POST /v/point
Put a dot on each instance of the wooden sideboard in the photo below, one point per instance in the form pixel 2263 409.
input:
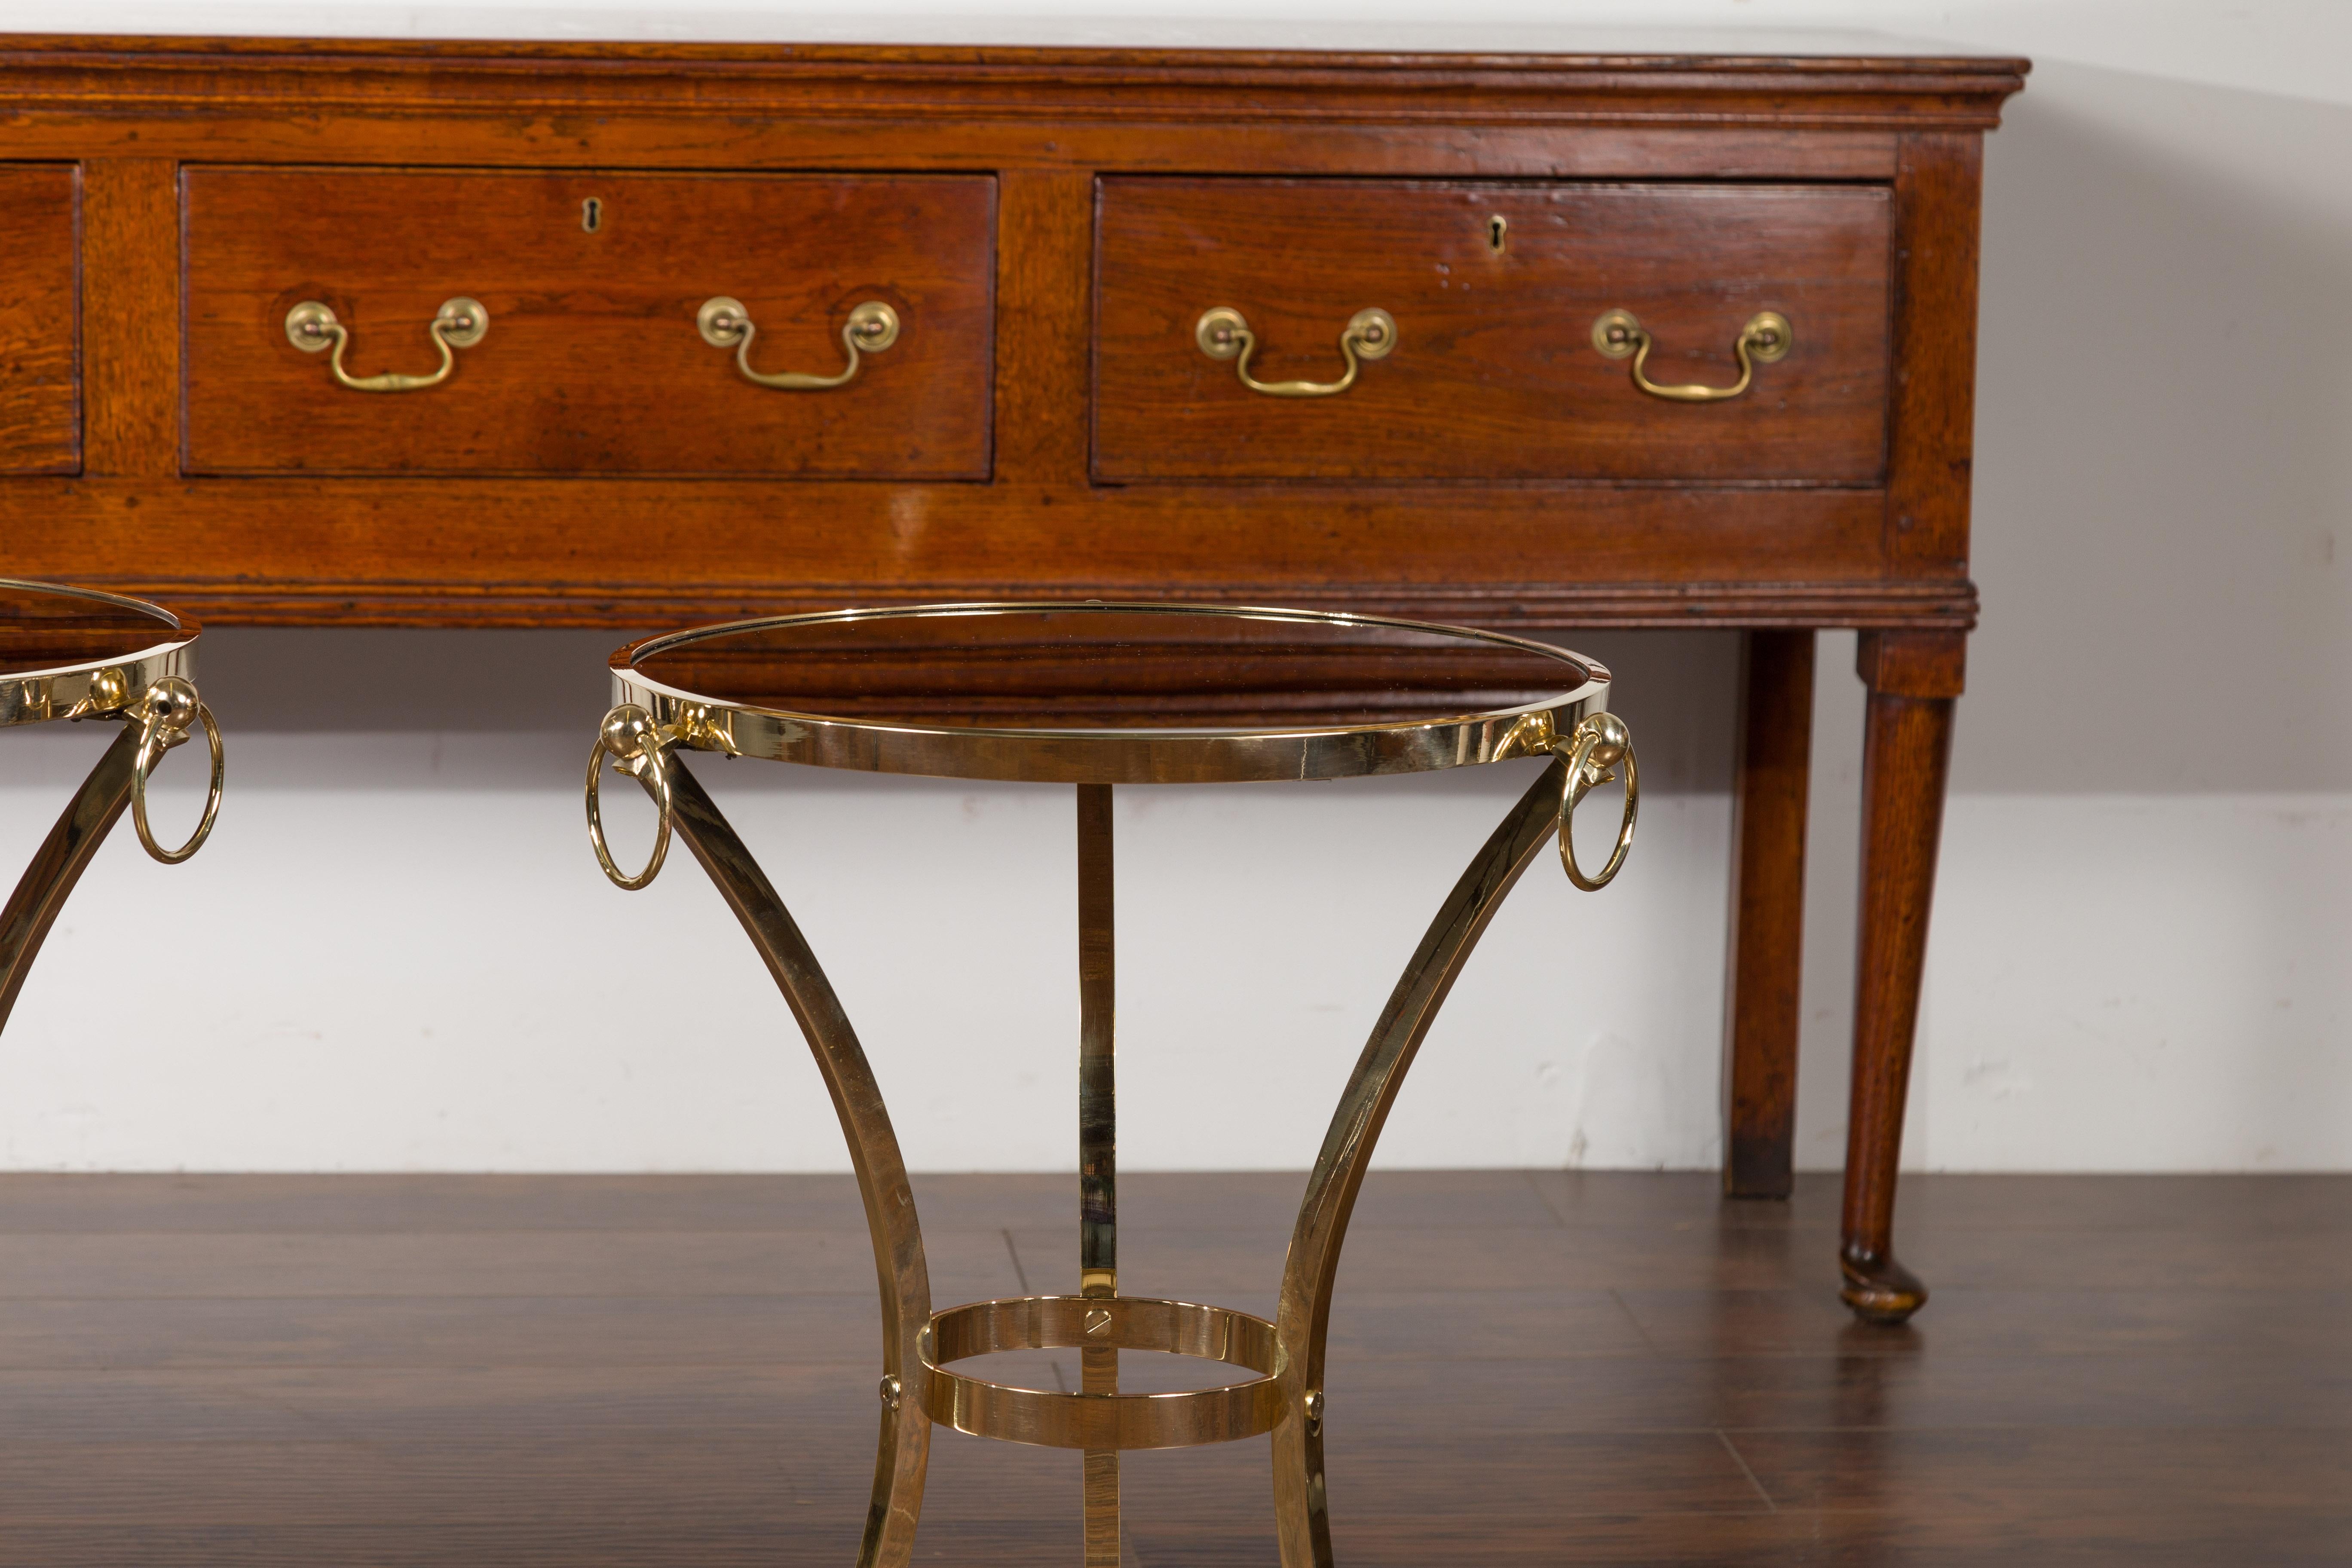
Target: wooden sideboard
pixel 1018 253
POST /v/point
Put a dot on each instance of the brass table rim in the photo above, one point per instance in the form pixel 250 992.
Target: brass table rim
pixel 1139 754
pixel 100 686
pixel 1103 1422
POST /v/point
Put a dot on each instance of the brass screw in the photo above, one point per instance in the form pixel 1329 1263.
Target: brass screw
pixel 891 1389
pixel 1315 1414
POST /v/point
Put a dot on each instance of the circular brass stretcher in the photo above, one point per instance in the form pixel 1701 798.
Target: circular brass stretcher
pixel 77 654
pixel 1098 695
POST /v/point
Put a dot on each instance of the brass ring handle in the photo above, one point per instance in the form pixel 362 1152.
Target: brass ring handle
pixel 163 715
pixel 1224 333
pixel 629 738
pixel 1598 745
pixel 725 323
pixel 460 324
pixel 1765 339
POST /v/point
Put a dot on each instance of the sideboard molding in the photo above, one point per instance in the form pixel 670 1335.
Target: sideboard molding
pixel 225 75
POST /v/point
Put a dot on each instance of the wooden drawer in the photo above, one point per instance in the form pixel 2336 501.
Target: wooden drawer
pixel 592 360
pixel 40 319
pixel 1492 373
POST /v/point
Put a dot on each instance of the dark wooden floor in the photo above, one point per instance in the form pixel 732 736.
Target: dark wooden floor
pixel 1528 1369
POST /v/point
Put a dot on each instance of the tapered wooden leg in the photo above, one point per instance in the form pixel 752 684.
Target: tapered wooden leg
pixel 1914 678
pixel 1767 914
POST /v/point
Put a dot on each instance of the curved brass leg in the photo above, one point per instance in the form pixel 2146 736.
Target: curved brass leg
pixel 906 1285
pixel 1098 1145
pixel 1304 1317
pixel 58 864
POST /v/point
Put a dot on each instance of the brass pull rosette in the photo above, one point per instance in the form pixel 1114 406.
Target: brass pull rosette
pixel 725 323
pixel 1597 746
pixel 1765 339
pixel 1224 333
pixel 460 324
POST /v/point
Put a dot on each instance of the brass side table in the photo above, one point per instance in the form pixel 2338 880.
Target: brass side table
pixel 77 654
pixel 1100 695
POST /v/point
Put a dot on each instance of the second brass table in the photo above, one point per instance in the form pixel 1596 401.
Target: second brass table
pixel 1099 695
pixel 77 654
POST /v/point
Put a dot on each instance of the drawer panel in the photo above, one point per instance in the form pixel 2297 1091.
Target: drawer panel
pixel 591 360
pixel 1493 374
pixel 40 319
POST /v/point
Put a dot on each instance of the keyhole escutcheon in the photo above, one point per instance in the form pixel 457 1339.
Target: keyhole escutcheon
pixel 592 214
pixel 1499 228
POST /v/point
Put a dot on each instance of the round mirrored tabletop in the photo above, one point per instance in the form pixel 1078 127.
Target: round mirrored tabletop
pixel 1108 693
pixel 73 652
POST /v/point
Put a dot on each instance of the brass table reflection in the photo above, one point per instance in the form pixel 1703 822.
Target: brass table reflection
pixel 1099 695
pixel 77 654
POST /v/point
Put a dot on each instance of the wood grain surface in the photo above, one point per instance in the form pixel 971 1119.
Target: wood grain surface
pixel 1528 1367
pixel 1938 191
pixel 40 319
pixel 593 363
pixel 1913 680
pixel 1897 90
pixel 613 552
pixel 1762 1001
pixel 1493 375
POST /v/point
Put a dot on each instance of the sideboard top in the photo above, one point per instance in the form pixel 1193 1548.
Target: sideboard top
pixel 1786 79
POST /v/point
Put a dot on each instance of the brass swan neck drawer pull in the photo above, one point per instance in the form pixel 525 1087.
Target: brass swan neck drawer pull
pixel 1223 333
pixel 1765 338
pixel 458 324
pixel 725 323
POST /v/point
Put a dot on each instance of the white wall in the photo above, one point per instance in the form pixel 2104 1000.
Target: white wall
pixel 398 953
